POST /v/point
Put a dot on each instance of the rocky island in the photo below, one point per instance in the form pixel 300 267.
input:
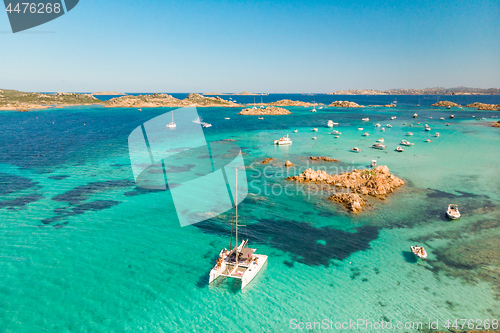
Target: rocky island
pixel 345 104
pixel 269 111
pixel 425 91
pixel 24 101
pixel 377 183
pixel 445 103
pixel 165 100
pixel 109 93
pixel 483 106
pixel 289 102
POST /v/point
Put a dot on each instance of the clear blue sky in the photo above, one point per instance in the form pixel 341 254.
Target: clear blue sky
pixel 260 46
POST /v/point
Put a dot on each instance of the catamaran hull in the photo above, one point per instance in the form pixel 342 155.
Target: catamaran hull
pixel 252 271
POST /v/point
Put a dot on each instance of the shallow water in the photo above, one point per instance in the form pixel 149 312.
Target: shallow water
pixel 84 249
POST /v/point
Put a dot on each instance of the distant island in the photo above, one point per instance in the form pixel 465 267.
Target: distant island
pixel 109 93
pixel 426 91
pixel 244 93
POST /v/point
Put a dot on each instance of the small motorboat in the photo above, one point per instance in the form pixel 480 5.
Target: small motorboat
pixel 411 125
pixel 400 150
pixel 295 131
pixel 314 138
pixel 393 117
pixel 355 150
pixel 437 135
pixel 373 164
pixel 365 119
pixel 283 141
pixel 314 129
pixel 331 123
pixel 428 140
pixel 366 134
pixel 381 140
pixel 453 212
pixel 404 124
pixel 336 132
pixel 383 129
pixel 418 123
pixel 377 125
pixel 261 118
pixel 430 117
pixel 419 251
pixel 442 118
pixel 447 124
pixel 389 126
pixel 415 115
pixel 227 118
pixel 378 146
pixel 140 109
pixel 409 134
pixel 427 128
pixel 448 107
pixel 336 136
pixel 452 116
pixel 406 143
pixel 360 128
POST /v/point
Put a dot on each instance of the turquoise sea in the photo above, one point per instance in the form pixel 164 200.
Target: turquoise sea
pixel 83 249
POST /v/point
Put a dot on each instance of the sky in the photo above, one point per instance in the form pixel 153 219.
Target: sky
pixel 258 46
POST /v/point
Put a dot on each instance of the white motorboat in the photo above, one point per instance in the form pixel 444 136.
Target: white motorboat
pixel 406 143
pixel 241 262
pixel 411 125
pixel 393 117
pixel 283 141
pixel 452 116
pixel 428 140
pixel 373 164
pixel 206 125
pixel 378 146
pixel 377 125
pixel 227 118
pixel 389 126
pixel 366 134
pixel 336 132
pixel 409 134
pixel 140 109
pixel 331 123
pixel 427 128
pixel 442 118
pixel 261 118
pixel 400 150
pixel 381 140
pixel 419 251
pixel 447 124
pixel 360 128
pixel 415 115
pixel 453 212
pixel 314 138
pixel 437 135
pixel 314 129
pixel 383 129
pixel 336 136
pixel 172 124
pixel 295 131
pixel 448 107
pixel 355 150
pixel 365 119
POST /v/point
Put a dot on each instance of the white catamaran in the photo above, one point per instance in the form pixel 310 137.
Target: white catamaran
pixel 241 262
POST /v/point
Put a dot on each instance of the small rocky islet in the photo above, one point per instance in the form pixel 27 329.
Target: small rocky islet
pixel 269 111
pixel 377 182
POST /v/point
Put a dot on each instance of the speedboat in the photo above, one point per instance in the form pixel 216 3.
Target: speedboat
pixel 383 129
pixel 389 126
pixel 419 251
pixel 377 125
pixel 336 136
pixel 452 116
pixel 366 134
pixel 409 134
pixel 356 150
pixel 336 132
pixel 206 125
pixel 406 143
pixel 261 118
pixel 373 164
pixel 448 107
pixel 360 128
pixel 314 138
pixel 453 212
pixel 415 115
pixel 378 145
pixel 428 140
pixel 227 118
pixel 427 128
pixel 283 141
pixel 437 135
pixel 399 149
pixel 393 117
pixel 365 119
pixel 314 129
pixel 295 131
pixel 411 125
pixel 447 124
pixel 442 118
pixel 381 140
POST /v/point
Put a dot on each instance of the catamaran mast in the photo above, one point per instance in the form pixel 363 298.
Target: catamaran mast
pixel 236 219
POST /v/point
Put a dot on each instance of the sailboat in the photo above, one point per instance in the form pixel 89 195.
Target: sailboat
pixel 172 124
pixel 241 262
